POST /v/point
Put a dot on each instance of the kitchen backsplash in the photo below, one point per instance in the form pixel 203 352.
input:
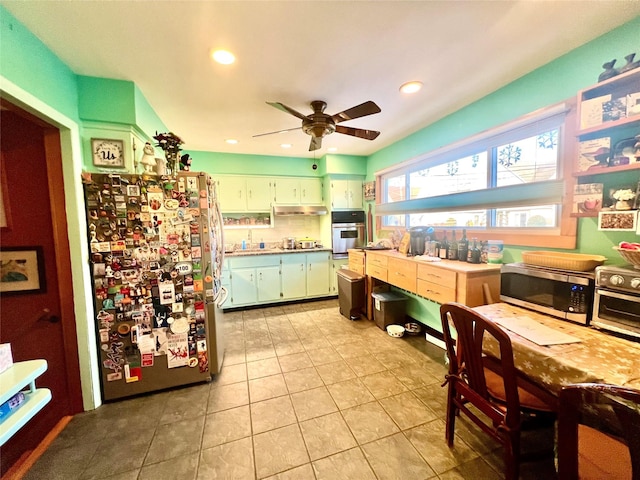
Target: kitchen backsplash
pixel 294 226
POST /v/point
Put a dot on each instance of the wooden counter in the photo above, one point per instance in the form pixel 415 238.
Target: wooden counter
pixel 441 282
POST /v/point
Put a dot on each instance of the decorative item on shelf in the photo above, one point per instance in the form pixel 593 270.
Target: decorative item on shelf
pixel 185 162
pixel 170 143
pixel 609 71
pixel 623 152
pixel 148 160
pixel 630 65
pixel 636 149
pixel 593 153
pixel 107 152
pixel 587 198
pixel 624 199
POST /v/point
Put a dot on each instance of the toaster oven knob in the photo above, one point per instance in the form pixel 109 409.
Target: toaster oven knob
pixel 616 280
pixel 635 283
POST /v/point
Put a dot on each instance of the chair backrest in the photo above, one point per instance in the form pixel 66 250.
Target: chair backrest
pixel 466 358
pixel 609 409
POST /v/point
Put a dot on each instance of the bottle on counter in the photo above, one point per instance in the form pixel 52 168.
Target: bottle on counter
pixel 444 247
pixel 463 246
pixel 452 254
pixel 476 252
pixel 470 250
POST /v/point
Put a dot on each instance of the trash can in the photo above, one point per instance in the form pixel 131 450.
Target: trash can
pixel 389 308
pixel 351 293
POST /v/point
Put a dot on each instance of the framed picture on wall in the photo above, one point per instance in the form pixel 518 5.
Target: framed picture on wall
pixel 21 270
pixel 617 220
pixel 369 190
pixel 107 152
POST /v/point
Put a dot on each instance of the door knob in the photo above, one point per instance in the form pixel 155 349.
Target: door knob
pixel 46 316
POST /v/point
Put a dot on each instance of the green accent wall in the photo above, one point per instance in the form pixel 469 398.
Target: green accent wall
pixel 29 64
pixel 238 164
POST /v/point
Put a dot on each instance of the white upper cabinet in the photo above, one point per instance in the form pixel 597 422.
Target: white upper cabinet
pixel 298 191
pixel 346 194
pixel 244 194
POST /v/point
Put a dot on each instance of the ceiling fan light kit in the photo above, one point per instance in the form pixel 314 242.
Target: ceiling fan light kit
pixel 319 124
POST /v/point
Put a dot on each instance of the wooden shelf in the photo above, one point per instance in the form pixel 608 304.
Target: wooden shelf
pixel 630 121
pixel 606 170
pixel 12 381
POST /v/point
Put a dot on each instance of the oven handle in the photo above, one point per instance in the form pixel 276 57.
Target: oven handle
pixel 621 296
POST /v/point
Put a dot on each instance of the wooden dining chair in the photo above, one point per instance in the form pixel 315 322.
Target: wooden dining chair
pixel 492 385
pixel 599 432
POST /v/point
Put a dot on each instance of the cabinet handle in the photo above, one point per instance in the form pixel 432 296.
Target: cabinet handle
pixel 304 192
pixel 260 276
pixel 239 193
pixel 295 192
pixel 302 267
pixel 252 277
pixel 250 194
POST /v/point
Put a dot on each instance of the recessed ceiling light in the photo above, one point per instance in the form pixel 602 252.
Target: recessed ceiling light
pixel 332 149
pixel 224 57
pixel 286 145
pixel 411 87
pixel 231 141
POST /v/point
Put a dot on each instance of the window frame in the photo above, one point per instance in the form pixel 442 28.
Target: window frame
pixel 564 235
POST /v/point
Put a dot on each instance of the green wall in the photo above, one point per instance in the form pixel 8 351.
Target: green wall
pixel 28 63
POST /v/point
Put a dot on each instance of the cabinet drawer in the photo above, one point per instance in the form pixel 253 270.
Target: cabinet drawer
pixel 356 266
pixel 376 260
pixel 377 272
pixel 402 273
pixel 436 292
pixel 440 276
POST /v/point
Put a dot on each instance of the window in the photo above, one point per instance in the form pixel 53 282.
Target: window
pixel 507 180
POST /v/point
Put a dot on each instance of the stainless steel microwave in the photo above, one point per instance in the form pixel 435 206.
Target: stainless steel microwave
pixel 560 293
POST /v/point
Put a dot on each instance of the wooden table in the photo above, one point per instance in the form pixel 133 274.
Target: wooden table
pixel 598 357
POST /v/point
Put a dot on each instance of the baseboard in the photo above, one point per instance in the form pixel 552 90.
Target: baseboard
pixel 19 469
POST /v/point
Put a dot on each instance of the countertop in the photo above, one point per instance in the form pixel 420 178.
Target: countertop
pixel 273 251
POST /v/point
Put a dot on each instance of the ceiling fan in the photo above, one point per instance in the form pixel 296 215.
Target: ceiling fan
pixel 319 124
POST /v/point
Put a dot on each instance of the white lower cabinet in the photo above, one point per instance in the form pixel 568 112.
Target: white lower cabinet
pixel 254 279
pixel 259 279
pixel 318 274
pixel 294 276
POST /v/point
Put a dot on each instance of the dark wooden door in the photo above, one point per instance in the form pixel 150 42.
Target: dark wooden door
pixel 38 324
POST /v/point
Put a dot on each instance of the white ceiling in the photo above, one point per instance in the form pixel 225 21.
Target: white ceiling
pixel 342 52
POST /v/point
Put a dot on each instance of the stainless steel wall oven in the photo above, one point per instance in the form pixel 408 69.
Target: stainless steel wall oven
pixel 347 231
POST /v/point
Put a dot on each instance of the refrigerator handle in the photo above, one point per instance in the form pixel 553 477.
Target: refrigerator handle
pixel 222 297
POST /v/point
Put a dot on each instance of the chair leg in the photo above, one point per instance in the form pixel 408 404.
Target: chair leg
pixel 452 411
pixel 512 456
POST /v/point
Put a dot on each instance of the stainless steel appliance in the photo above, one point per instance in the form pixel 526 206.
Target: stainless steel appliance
pixel 617 300
pixel 289 243
pixel 417 239
pixel 560 293
pixel 347 231
pixel 156 251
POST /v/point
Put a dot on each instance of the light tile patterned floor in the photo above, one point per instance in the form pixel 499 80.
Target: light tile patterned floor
pixel 305 394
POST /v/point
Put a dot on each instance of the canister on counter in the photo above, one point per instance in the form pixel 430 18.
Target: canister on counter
pixel 495 251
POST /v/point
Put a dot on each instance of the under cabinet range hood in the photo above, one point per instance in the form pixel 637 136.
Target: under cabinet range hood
pixel 282 210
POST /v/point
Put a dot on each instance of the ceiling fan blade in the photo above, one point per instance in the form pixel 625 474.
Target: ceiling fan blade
pixel 284 108
pixel 362 110
pixel 358 132
pixel 278 131
pixel 316 143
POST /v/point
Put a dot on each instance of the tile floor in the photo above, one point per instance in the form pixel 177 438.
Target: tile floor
pixel 304 394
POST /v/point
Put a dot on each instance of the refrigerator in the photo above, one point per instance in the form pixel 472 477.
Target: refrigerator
pixel 156 256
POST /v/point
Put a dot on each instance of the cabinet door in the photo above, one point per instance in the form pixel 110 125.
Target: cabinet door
pixel 340 193
pixel 259 196
pixel 232 193
pixel 287 190
pixel 243 286
pixel 268 284
pixel 310 191
pixel 294 276
pixel 355 194
pixel 335 266
pixel 318 274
